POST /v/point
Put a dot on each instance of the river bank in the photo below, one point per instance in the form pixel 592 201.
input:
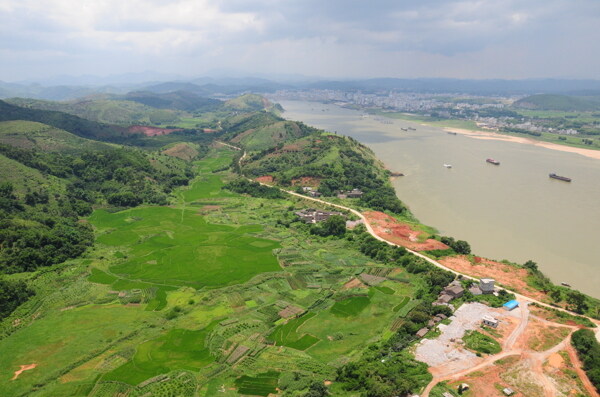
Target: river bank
pixel 512 211
pixel 490 135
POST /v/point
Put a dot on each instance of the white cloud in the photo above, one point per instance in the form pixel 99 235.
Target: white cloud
pixel 452 38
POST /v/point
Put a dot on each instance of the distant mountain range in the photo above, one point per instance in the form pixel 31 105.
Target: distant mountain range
pixel 219 87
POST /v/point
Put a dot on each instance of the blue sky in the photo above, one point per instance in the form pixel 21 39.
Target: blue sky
pixel 327 38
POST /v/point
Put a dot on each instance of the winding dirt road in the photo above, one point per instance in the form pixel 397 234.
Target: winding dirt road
pixel 508 348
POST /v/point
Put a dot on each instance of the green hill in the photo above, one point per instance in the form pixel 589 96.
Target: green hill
pixel 270 136
pixel 179 100
pixel 110 111
pixel 252 103
pixel 73 124
pixel 33 135
pixel 559 103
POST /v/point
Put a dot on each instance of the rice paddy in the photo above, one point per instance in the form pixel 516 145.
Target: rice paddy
pixel 173 247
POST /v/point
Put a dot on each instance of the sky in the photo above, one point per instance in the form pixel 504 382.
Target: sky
pixel 509 39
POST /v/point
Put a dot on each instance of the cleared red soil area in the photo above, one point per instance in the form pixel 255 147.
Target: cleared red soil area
pixel 306 181
pixel 507 275
pixel 400 233
pixel 209 130
pixel 264 179
pixel 151 131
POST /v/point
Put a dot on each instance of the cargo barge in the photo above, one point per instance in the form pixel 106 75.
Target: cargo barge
pixel 560 178
pixel 492 161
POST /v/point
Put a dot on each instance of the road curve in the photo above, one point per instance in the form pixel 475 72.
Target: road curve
pixel 521 297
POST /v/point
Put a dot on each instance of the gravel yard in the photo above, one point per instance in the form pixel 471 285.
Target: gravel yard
pixel 447 348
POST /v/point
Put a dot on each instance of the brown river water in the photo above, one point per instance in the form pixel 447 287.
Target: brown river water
pixel 512 211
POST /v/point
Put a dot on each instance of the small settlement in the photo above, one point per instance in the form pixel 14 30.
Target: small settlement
pixel 314 216
pixel 354 193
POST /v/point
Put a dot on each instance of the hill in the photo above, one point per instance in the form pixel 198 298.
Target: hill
pixel 38 136
pixel 559 103
pixel 73 124
pixel 179 100
pixel 252 103
pixel 103 110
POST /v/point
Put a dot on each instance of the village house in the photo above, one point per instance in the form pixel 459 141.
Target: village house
pixel 489 321
pixel 422 332
pixel 354 193
pixel 314 216
pixel 487 285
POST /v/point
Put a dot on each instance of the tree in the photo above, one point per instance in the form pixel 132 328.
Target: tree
pixel 531 265
pixel 335 225
pixel 462 247
pixel 317 389
pixel 576 301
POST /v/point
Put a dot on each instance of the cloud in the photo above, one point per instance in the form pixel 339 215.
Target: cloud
pixel 509 38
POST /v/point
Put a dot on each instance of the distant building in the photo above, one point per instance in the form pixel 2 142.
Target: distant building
pixel 489 321
pixel 510 305
pixel 446 394
pixel 307 188
pixel 354 193
pixel 314 193
pixel 508 391
pixel 487 285
pixel 314 216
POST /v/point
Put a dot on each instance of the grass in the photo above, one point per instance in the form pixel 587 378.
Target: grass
pixel 404 310
pixel 401 304
pixel 179 248
pixel 56 341
pixel 481 343
pixel 350 307
pixel 259 385
pixel 287 334
pixel 177 349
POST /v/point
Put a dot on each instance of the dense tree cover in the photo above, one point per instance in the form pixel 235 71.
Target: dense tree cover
pixel 333 226
pixel 459 246
pixel 12 294
pixel 42 228
pixel 254 189
pixel 588 349
pixel 113 174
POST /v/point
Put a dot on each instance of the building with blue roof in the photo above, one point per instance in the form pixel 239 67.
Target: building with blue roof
pixel 510 305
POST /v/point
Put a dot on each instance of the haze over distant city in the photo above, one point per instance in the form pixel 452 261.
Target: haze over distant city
pixel 336 38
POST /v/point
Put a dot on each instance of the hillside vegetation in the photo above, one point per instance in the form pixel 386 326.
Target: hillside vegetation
pixel 109 111
pixel 73 124
pixel 559 103
pixel 252 103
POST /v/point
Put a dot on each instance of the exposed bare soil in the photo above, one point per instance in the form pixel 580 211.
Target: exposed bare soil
pixel 265 179
pixel 23 369
pixel 306 181
pixel 504 274
pixel 354 283
pixel 151 131
pixel 400 233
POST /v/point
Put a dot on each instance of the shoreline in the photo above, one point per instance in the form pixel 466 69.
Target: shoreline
pixel 489 135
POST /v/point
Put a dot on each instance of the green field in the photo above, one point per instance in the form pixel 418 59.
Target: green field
pixel 350 307
pixel 177 349
pixel 259 385
pixel 288 335
pixel 61 340
pixel 481 343
pixel 179 248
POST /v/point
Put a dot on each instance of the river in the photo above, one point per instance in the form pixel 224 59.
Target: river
pixel 512 211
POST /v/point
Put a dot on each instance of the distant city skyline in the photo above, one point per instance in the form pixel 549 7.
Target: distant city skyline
pixel 474 39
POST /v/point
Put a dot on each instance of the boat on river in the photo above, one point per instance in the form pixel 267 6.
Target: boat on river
pixel 492 161
pixel 448 165
pixel 560 178
pixel 451 132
